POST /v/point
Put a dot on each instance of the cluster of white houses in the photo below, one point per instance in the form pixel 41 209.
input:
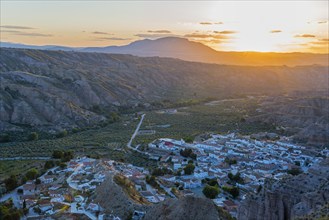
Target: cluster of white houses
pixel 223 154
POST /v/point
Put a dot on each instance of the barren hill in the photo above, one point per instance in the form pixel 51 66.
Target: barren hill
pixel 66 89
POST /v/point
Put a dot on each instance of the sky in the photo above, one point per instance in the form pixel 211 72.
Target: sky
pixel 266 26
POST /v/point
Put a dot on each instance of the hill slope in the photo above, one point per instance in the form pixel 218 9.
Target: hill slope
pixel 57 88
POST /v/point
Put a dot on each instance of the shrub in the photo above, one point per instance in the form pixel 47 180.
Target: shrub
pixel 189 169
pixel 11 183
pixel 295 171
pixel 33 136
pixel 211 192
pixel 32 174
pixel 62 134
pixel 234 191
pixel 4 138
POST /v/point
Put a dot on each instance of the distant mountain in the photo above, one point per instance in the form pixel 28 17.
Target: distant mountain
pixel 184 49
pixel 45 47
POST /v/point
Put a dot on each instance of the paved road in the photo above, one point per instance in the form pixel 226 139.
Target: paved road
pixel 13 194
pixel 68 180
pixel 134 135
pixel 136 132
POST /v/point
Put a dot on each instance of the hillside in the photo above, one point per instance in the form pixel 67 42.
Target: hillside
pixel 67 89
pixel 304 114
pixel 182 48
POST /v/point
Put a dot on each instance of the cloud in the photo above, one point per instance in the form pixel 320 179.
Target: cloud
pixel 155 35
pixel 10 31
pixel 224 32
pixel 22 33
pixel 197 35
pixel 16 27
pixel 322 22
pixel 324 41
pixel 159 31
pixel 101 33
pixel 205 23
pixel 112 38
pixel 305 35
pixel 33 34
pixel 210 23
pixel 275 31
pixel 212 41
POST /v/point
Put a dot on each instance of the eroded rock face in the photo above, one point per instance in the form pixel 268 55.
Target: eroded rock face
pixel 305 115
pixel 291 198
pixel 185 208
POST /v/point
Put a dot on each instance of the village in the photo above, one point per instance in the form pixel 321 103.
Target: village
pixel 235 166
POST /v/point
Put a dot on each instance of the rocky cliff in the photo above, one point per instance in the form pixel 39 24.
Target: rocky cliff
pixel 295 197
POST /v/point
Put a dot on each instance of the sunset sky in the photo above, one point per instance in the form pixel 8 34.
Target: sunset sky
pixel 279 26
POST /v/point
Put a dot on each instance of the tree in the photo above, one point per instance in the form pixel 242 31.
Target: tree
pixel 49 164
pixel 33 136
pixel 32 174
pixel 24 204
pixel 213 182
pixel 57 154
pixel 234 191
pixel 259 188
pixel 11 183
pixel 211 192
pixel 188 139
pixel 295 171
pixel 189 169
pixel 37 181
pixel 4 138
pixel 152 181
pixel 230 161
pixel 62 134
pixel 188 153
pixel 161 171
pixel 67 156
pixel 236 178
pixel 62 165
pixel 114 117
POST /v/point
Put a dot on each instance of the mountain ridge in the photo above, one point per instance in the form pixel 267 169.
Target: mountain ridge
pixel 182 48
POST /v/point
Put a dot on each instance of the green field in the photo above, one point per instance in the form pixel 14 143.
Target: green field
pixel 218 117
pixel 110 141
pixel 17 168
pixel 91 141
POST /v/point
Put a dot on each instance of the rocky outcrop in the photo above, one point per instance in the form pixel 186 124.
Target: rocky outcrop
pixel 186 208
pixel 289 198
